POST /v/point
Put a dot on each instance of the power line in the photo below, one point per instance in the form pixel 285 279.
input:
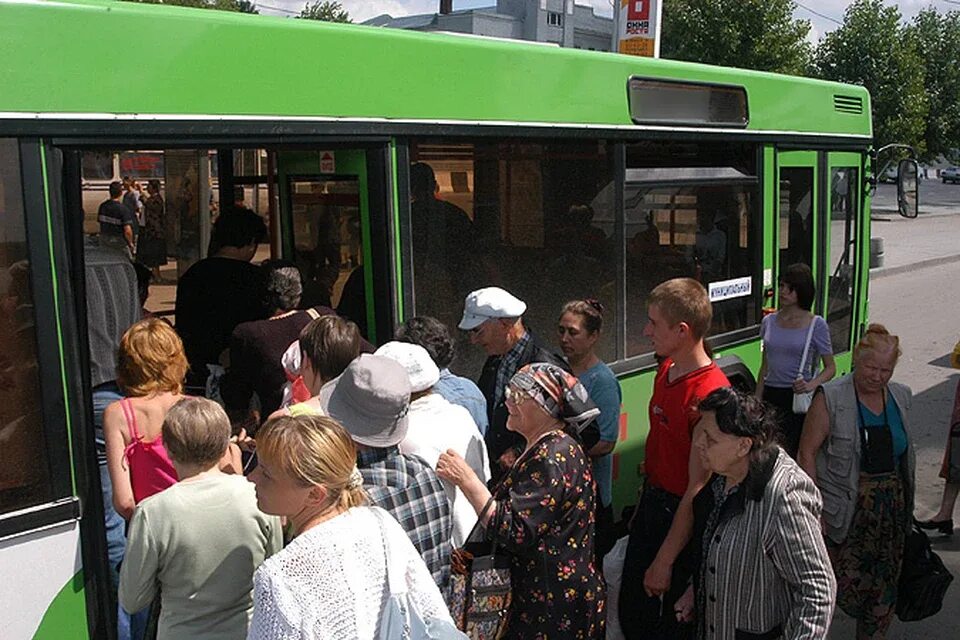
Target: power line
pixel 826 17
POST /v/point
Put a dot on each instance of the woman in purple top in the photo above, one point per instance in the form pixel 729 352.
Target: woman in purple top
pixel 784 336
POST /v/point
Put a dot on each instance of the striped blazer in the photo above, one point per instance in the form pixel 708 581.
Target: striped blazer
pixel 763 570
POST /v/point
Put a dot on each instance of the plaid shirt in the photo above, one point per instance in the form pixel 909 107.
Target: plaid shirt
pixel 509 364
pixel 410 490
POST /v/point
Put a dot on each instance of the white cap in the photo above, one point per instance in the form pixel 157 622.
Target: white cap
pixel 491 302
pixel 416 360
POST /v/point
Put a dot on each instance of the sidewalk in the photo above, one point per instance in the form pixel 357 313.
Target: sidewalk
pixel 931 239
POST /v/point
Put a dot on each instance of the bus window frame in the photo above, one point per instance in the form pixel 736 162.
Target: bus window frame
pixel 61 507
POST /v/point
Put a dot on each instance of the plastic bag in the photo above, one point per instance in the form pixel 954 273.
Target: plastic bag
pixel 613 575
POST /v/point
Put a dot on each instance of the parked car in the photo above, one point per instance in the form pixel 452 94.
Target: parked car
pixel 950 174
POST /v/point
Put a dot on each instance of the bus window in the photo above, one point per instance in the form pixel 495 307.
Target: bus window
pixel 534 218
pixel 25 475
pixel 796 216
pixel 97 165
pixel 142 165
pixel 327 243
pixel 843 233
pixel 692 211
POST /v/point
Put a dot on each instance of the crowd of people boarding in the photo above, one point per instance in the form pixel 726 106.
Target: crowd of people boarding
pixel 314 485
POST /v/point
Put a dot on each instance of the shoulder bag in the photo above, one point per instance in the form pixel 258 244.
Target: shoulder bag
pixel 480 589
pixel 801 401
pixel 923 579
pixel 401 619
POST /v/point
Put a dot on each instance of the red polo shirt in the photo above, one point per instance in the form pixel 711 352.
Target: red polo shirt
pixel 673 414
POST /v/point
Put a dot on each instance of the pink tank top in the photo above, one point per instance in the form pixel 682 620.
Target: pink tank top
pixel 150 468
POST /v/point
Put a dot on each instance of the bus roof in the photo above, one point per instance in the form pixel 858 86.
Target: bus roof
pixel 99 58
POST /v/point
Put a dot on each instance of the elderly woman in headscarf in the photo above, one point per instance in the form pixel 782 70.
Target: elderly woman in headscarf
pixel 542 512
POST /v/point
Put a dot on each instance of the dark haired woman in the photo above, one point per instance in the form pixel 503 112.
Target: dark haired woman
pixel 578 330
pixel 794 341
pixel 763 568
pixel 152 244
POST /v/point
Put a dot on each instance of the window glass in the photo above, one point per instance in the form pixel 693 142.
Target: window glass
pixel 327 243
pixel 692 211
pixel 97 165
pixel 534 218
pixel 796 216
pixel 24 470
pixel 843 232
pixel 142 165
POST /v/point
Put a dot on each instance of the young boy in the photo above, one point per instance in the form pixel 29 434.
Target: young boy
pixel 655 571
pixel 201 539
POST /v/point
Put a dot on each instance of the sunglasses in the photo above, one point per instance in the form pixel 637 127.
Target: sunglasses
pixel 515 396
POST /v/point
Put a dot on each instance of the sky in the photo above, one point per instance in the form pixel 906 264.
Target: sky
pixel 822 14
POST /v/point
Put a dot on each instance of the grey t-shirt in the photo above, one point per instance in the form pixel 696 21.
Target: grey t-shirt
pixel 200 542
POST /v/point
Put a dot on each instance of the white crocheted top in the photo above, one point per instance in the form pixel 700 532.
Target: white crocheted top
pixel 331 581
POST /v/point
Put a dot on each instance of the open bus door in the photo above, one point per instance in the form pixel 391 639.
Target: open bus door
pixel 798 198
pixel 334 209
pixel 839 280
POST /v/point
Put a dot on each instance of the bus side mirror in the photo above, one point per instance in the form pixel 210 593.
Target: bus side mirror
pixel 908 188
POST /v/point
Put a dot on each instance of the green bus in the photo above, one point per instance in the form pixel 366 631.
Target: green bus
pixel 583 174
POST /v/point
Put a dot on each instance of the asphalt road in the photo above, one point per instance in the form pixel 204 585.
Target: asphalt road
pixel 934 197
pixel 923 308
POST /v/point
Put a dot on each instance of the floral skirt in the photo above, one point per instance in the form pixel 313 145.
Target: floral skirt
pixel 867 563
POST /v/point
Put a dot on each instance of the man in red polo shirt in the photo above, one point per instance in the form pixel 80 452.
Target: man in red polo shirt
pixel 655 571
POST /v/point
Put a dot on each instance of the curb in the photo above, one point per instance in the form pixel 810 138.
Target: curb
pixel 893 213
pixel 884 272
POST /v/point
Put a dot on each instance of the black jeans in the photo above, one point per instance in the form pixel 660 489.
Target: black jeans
pixel 790 424
pixel 643 617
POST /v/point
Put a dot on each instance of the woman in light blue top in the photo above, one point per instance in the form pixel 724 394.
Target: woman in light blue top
pixel 578 329
pixel 784 335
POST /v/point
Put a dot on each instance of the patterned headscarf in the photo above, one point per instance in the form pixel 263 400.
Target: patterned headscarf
pixel 559 393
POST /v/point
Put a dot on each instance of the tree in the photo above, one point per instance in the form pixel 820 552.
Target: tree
pixel 936 38
pixel 238 6
pixel 326 10
pixel 751 34
pixel 871 49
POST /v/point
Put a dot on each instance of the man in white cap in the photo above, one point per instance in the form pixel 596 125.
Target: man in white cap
pixel 371 399
pixel 493 317
pixel 436 426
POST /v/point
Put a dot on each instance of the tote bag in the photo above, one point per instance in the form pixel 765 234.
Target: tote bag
pixel 401 619
pixel 480 589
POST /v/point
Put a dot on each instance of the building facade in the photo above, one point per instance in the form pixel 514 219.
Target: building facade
pixel 561 22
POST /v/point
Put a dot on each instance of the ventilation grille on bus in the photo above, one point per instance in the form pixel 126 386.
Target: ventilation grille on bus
pixel 848 104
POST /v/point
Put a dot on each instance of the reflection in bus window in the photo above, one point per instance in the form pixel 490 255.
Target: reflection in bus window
pixel 97 165
pixel 327 243
pixel 843 232
pixel 536 219
pixel 702 232
pixel 142 165
pixel 24 471
pixel 796 216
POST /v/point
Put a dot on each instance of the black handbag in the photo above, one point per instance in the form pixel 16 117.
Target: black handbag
pixel 923 579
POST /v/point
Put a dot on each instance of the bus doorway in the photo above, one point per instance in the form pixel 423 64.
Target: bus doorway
pixel 328 199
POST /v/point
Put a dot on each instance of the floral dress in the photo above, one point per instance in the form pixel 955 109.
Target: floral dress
pixel 545 520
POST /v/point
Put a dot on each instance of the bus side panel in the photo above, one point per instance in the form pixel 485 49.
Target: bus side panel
pixel 46 601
